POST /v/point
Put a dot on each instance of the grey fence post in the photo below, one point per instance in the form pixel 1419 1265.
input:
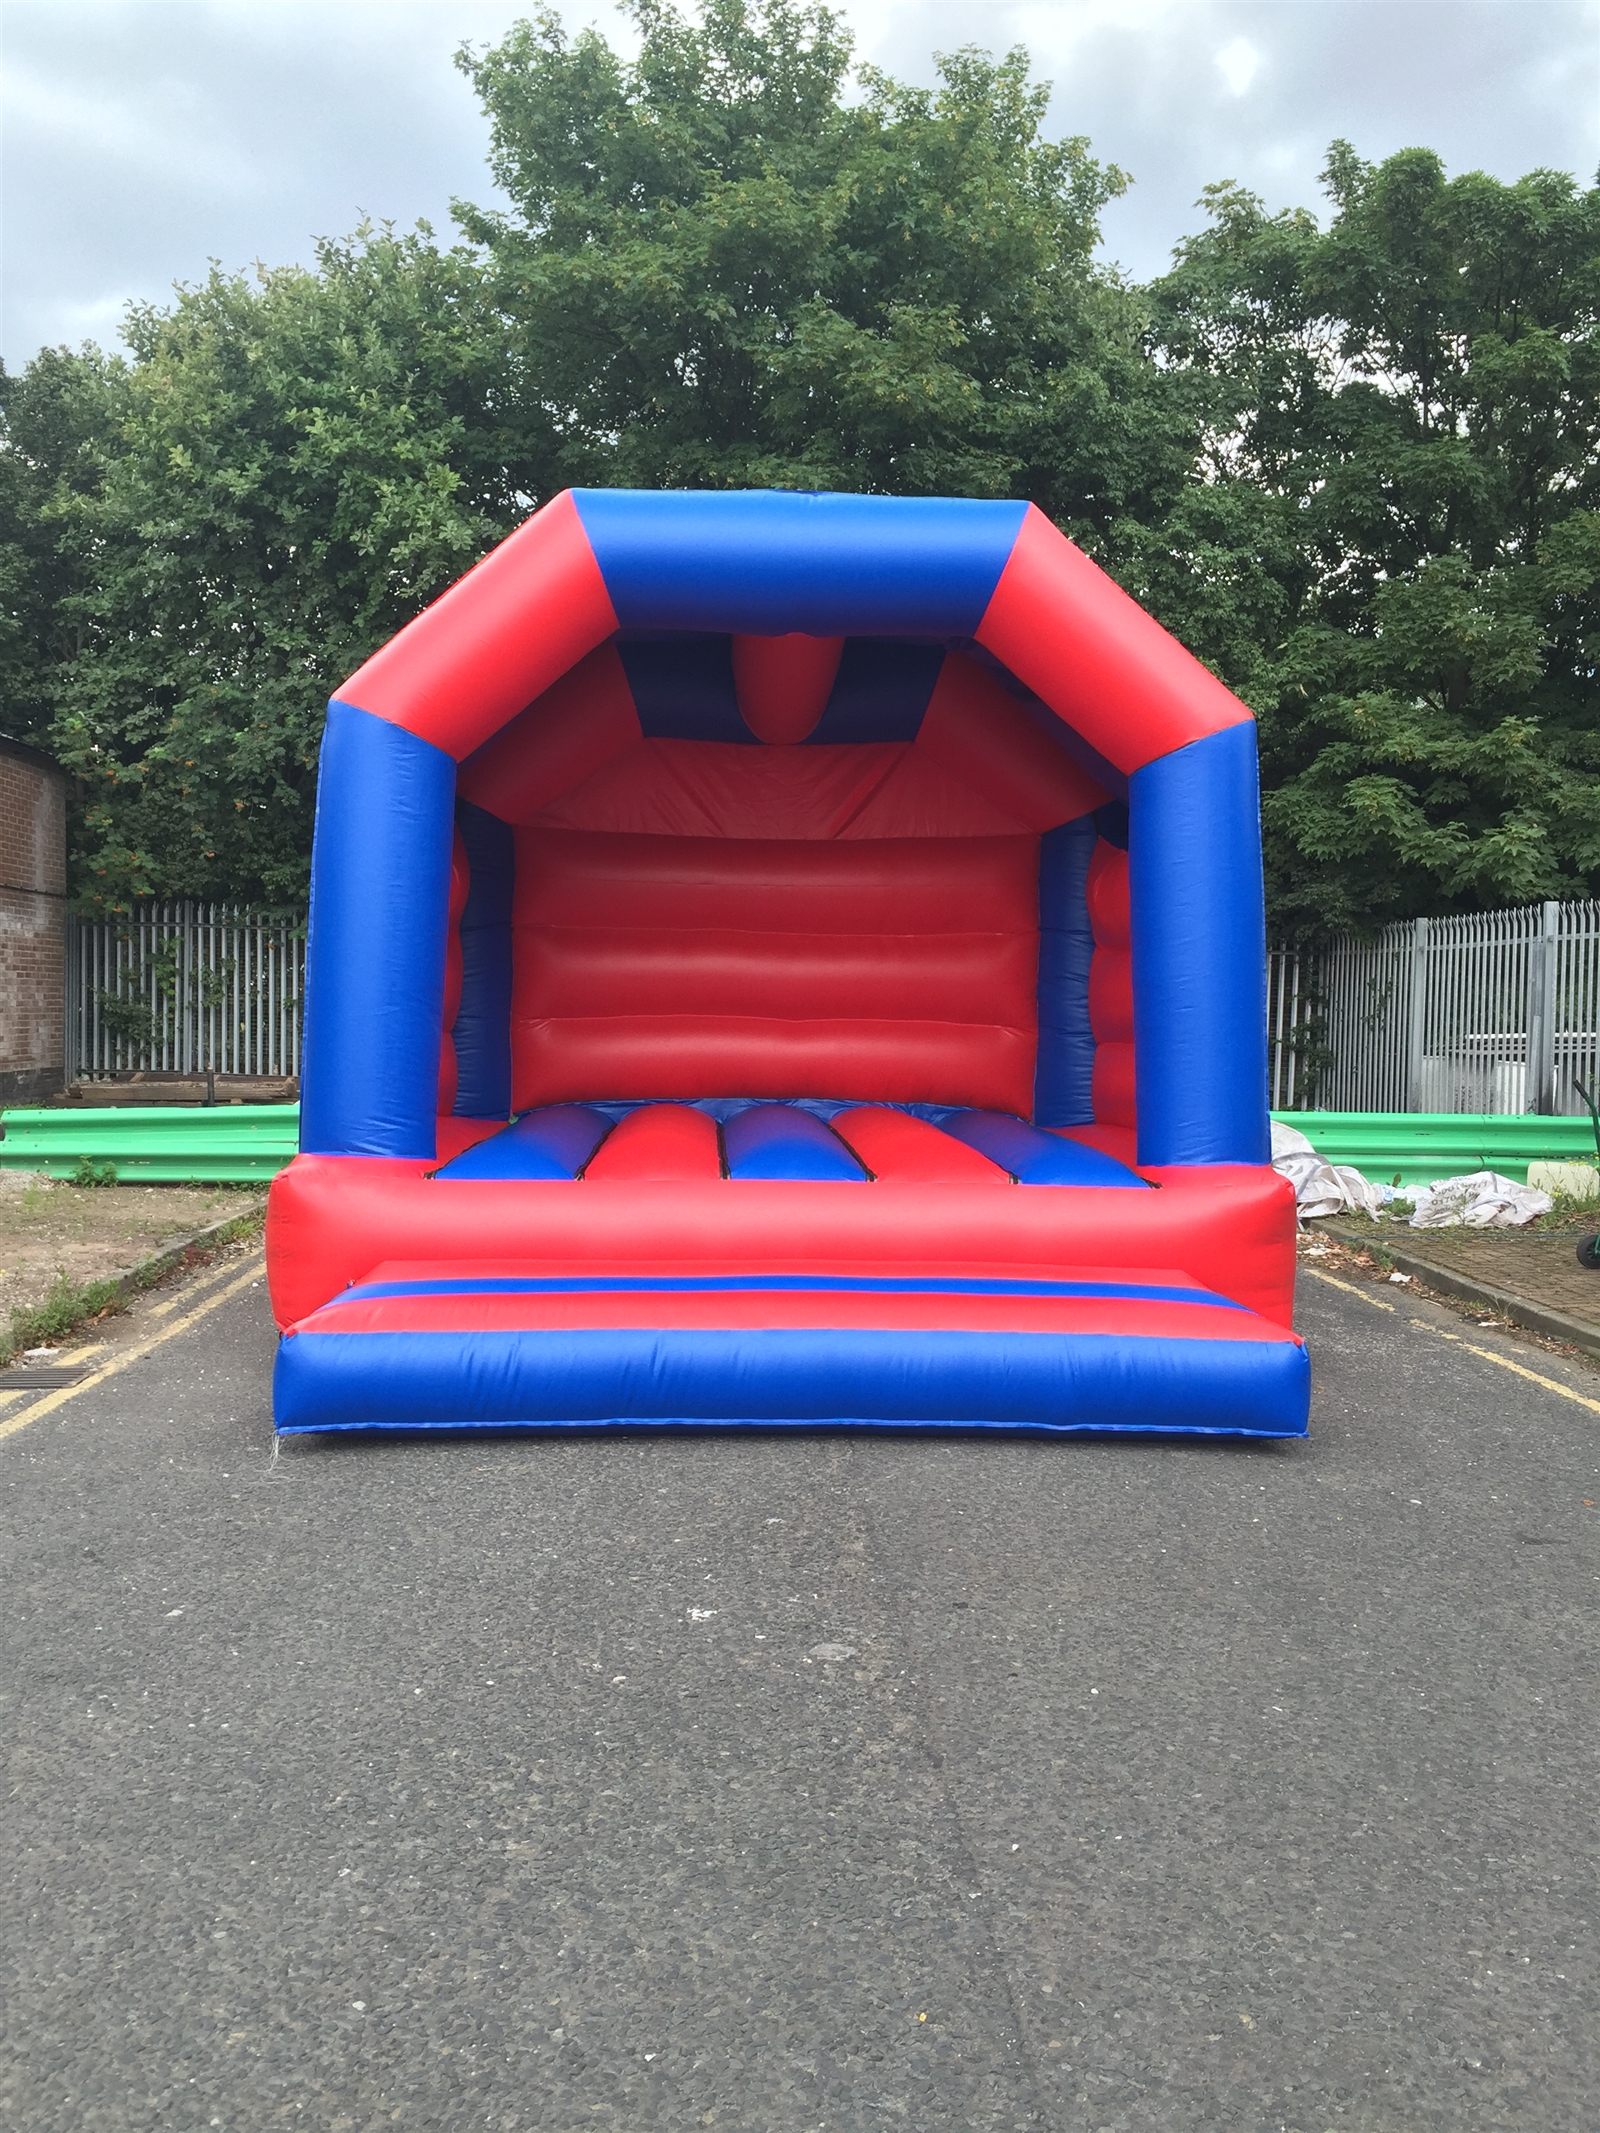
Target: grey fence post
pixel 71 987
pixel 1417 1031
pixel 1535 1016
pixel 1543 1012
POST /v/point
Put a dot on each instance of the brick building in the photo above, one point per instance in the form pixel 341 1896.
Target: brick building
pixel 33 906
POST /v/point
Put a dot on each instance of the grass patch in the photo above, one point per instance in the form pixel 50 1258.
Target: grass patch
pixel 1567 1214
pixel 70 1304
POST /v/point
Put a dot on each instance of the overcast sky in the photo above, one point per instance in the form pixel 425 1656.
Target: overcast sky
pixel 142 138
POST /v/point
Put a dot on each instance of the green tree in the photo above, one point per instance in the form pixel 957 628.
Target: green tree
pixel 60 426
pixel 302 461
pixel 721 274
pixel 1393 548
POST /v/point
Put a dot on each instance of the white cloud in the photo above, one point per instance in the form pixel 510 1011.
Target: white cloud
pixel 1238 63
pixel 162 135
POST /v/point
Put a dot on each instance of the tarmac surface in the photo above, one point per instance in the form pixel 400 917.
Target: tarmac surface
pixel 812 1783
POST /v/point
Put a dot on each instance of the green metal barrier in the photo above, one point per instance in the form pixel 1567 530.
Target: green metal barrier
pixel 156 1144
pixel 1421 1146
pixel 185 1143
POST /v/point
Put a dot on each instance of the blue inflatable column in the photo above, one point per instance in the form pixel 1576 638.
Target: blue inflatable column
pixel 1063 1083
pixel 482 1029
pixel 380 907
pixel 1199 953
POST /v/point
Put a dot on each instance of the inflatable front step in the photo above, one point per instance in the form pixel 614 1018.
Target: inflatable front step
pixel 495 1346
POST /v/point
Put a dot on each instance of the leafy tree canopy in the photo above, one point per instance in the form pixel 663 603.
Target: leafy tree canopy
pixel 723 274
pixel 59 430
pixel 286 472
pixel 1392 546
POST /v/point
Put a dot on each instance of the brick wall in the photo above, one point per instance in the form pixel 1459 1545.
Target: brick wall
pixel 33 881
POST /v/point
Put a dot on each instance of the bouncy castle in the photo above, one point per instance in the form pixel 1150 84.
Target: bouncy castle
pixel 782 960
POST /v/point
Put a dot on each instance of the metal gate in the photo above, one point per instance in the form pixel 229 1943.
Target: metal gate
pixel 185 988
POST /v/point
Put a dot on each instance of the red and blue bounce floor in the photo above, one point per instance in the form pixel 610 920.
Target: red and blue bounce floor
pixel 678 1265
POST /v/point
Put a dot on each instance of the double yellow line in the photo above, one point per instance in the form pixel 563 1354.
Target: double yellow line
pixel 134 1352
pixel 1381 1303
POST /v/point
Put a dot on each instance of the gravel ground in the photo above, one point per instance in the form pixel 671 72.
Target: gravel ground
pixel 48 1230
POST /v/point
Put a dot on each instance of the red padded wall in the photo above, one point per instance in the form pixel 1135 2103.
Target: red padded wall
pixel 564 736
pixel 985 740
pixel 898 970
pixel 861 790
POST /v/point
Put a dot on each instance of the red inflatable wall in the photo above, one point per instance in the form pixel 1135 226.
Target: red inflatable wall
pixel 901 970
pixel 783 920
pixel 331 1222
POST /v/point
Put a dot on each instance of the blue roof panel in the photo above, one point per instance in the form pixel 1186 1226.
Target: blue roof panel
pixel 767 561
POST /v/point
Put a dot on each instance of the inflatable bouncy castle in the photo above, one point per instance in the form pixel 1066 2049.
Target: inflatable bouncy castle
pixel 781 960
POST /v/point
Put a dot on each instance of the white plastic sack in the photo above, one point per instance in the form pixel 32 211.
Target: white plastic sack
pixel 1321 1188
pixel 1481 1200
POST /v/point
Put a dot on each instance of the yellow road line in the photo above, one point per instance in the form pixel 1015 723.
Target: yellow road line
pixel 199 1287
pixel 1378 1303
pixel 125 1356
pixel 1472 1348
pixel 1505 1362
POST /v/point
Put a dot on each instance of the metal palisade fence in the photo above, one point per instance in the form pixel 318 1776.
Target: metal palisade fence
pixel 1493 1013
pixel 185 988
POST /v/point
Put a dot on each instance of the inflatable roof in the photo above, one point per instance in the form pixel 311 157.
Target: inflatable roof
pixel 786 959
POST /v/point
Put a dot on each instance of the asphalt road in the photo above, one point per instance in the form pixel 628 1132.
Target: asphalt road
pixel 806 1783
